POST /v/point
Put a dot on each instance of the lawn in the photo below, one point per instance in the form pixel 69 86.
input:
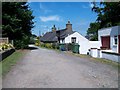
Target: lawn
pixel 10 61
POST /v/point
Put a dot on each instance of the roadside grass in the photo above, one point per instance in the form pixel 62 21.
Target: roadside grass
pixel 10 61
pixel 101 60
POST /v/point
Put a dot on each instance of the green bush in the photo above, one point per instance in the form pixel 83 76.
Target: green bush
pixel 48 45
pixel 55 46
pixel 32 41
pixel 21 44
pixel 37 41
pixel 42 44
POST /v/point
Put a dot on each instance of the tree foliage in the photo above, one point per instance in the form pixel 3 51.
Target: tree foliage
pixel 17 22
pixel 93 31
pixel 108 14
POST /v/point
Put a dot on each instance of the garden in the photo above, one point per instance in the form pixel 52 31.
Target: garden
pixel 5 46
pixel 6 49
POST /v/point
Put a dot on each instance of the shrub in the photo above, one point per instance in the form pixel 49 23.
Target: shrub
pixel 32 41
pixel 48 45
pixel 21 44
pixel 55 46
pixel 37 44
pixel 4 46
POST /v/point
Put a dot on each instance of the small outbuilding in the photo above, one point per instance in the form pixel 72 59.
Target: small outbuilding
pixel 110 38
pixel 110 44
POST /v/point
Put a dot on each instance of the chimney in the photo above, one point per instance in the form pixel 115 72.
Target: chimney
pixel 53 28
pixel 69 26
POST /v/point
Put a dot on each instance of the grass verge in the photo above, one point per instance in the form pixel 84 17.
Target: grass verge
pixel 101 60
pixel 10 61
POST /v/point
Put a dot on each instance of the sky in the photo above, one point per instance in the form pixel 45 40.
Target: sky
pixel 48 14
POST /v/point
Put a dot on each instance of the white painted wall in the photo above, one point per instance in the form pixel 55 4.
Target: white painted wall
pixel 81 40
pixel 78 36
pixel 95 44
pixel 112 31
pixel 111 57
pixel 84 43
pixel 94 53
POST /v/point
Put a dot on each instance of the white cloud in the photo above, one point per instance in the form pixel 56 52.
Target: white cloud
pixel 41 6
pixel 91 4
pixel 50 18
pixel 83 6
pixel 43 26
pixel 44 9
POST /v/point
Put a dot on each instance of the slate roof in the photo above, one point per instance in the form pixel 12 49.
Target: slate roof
pixel 49 37
pixel 53 35
pixel 63 33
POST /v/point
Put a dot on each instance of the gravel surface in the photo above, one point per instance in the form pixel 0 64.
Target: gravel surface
pixel 42 68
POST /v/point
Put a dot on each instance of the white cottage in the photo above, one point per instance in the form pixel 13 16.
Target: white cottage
pixel 110 39
pixel 84 43
pixel 110 44
pixel 67 35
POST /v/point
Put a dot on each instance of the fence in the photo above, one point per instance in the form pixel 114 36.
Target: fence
pixel 4 40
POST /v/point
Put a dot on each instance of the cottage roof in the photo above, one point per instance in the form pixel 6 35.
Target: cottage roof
pixel 63 33
pixel 49 37
pixel 53 36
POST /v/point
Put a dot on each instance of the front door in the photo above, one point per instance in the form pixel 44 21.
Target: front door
pixel 105 41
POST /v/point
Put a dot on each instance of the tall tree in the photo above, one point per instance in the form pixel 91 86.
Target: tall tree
pixel 108 14
pixel 17 22
pixel 92 32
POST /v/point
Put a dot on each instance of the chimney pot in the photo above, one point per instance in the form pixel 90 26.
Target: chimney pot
pixel 53 28
pixel 69 26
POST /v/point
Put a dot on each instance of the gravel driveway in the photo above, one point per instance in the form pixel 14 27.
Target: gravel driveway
pixel 42 68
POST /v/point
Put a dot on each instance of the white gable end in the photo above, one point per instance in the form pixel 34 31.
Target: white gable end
pixel 78 36
pixel 84 43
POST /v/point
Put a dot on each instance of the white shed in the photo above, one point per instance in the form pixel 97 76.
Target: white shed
pixel 84 43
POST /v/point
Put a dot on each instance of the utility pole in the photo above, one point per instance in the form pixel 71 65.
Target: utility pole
pixel 39 36
pixel 39 33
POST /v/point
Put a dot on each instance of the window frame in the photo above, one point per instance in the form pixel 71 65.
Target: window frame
pixel 73 39
pixel 115 40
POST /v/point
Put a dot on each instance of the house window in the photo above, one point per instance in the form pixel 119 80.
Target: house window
pixel 73 39
pixel 115 40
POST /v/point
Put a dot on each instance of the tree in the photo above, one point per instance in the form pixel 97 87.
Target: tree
pixel 92 32
pixel 108 14
pixel 17 22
